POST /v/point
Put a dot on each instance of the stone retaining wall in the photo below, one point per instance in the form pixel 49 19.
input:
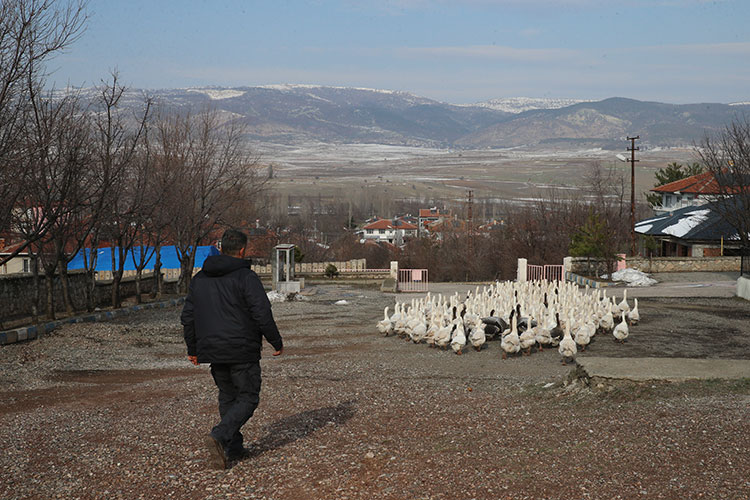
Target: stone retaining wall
pixel 17 293
pixel 36 331
pixel 684 264
pixel 660 265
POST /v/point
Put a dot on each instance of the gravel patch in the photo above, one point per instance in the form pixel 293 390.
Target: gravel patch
pixel 114 410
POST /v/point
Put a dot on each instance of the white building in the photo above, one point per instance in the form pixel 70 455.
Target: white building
pixel 393 231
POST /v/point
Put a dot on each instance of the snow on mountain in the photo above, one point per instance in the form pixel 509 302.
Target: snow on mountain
pixel 742 103
pixel 520 104
pixel 218 94
pixel 303 86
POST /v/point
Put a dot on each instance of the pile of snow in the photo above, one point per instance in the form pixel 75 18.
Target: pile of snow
pixel 632 277
pixel 274 296
pixel 341 302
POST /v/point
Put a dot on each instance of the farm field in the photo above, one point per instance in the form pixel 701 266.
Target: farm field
pixel 115 410
pixel 520 175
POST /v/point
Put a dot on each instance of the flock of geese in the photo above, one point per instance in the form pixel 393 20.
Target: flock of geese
pixel 521 315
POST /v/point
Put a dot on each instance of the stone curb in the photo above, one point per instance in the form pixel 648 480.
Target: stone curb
pixel 584 281
pixel 37 331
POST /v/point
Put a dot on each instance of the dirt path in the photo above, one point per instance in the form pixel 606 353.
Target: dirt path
pixel 113 410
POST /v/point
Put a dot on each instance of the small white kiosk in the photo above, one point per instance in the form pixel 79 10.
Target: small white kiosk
pixel 283 269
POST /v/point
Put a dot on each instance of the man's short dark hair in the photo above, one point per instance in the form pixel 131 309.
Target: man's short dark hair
pixel 232 241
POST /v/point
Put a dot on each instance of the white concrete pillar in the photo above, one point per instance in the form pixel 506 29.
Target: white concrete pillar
pixel 522 269
pixel 568 264
pixel 394 269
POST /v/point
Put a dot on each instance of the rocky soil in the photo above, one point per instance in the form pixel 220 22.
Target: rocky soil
pixel 114 410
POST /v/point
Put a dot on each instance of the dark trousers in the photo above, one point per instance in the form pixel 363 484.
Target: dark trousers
pixel 239 393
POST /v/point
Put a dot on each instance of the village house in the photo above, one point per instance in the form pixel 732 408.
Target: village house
pixel 691 191
pixel 393 231
pixel 426 217
pixel 693 231
pixel 687 225
pixel 21 263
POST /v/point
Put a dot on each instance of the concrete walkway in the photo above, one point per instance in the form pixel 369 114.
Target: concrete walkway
pixel 669 369
pixel 698 284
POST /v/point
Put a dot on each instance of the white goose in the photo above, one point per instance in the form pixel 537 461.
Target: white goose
pixel 477 336
pixel 607 322
pixel 511 343
pixel 623 306
pixel 384 325
pixel 621 331
pixel 528 338
pixel 634 317
pixel 459 338
pixel 443 335
pixel 567 348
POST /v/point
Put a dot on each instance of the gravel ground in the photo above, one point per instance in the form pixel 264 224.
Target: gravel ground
pixel 114 410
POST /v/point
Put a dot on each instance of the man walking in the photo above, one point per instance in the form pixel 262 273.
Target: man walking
pixel 225 316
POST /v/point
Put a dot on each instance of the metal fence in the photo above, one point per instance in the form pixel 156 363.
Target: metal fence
pixel 412 280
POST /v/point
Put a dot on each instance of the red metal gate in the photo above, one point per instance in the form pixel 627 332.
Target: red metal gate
pixel 549 272
pixel 412 280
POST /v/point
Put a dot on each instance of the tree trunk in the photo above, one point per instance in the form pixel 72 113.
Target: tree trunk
pixel 116 279
pixel 65 288
pixel 186 270
pixel 90 267
pixel 50 279
pixel 90 289
pixel 37 289
pixel 138 274
pixel 157 274
pixel 117 274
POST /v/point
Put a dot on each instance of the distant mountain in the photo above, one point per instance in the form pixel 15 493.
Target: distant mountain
pixel 608 122
pixel 520 104
pixel 296 113
pixel 291 114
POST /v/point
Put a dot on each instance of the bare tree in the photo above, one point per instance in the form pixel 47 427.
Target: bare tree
pixel 31 32
pixel 215 173
pixel 727 157
pixel 118 147
pixel 57 143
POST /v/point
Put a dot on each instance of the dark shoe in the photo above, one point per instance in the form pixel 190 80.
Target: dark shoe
pixel 218 456
pixel 237 456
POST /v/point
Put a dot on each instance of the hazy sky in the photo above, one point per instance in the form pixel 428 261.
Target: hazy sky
pixel 458 51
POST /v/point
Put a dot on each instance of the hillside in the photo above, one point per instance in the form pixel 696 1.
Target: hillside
pixel 292 114
pixel 608 121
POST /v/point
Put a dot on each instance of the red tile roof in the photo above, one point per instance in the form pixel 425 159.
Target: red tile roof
pixel 388 224
pixel 429 212
pixel 7 250
pixel 704 183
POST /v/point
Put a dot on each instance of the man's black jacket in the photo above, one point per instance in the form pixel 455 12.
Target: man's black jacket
pixel 227 312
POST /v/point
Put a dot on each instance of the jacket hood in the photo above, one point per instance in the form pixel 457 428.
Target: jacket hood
pixel 219 265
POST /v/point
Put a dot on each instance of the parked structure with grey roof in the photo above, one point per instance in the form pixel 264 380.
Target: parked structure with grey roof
pixel 695 231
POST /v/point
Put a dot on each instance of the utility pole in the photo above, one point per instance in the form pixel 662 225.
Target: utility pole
pixel 470 223
pixel 632 150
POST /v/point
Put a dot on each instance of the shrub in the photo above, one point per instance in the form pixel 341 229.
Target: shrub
pixel 331 271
